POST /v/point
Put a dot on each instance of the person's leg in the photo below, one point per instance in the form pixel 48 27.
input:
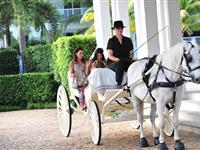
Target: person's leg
pixel 116 67
pixel 81 98
pixel 112 65
pixel 122 67
pixel 127 63
pixel 119 70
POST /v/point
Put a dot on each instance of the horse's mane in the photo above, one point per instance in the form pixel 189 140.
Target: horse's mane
pixel 173 56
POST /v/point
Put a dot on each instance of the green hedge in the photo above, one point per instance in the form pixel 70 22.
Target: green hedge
pixel 28 87
pixel 63 53
pixel 8 61
pixel 39 58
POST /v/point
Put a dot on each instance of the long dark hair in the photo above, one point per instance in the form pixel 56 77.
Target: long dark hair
pixel 76 50
pixel 98 51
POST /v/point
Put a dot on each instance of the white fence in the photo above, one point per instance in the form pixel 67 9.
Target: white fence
pixel 66 13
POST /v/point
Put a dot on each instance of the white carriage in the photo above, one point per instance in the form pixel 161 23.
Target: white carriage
pixel 99 107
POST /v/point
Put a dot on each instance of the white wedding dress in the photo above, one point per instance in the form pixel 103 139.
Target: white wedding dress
pixel 101 79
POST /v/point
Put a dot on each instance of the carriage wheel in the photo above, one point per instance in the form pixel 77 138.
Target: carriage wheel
pixel 63 111
pixel 168 128
pixel 95 120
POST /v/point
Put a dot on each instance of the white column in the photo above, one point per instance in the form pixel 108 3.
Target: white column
pixel 168 18
pixel 120 12
pixel 174 22
pixel 102 22
pixel 146 27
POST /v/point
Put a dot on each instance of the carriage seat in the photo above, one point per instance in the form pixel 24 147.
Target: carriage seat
pixel 73 92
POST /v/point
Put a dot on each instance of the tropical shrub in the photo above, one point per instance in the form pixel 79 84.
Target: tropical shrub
pixel 39 58
pixel 9 61
pixel 28 87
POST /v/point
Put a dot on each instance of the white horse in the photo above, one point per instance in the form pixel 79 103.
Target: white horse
pixel 164 85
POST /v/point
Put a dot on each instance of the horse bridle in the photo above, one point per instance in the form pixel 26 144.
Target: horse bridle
pixel 188 59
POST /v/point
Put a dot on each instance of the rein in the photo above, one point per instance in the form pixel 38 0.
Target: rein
pixel 150 39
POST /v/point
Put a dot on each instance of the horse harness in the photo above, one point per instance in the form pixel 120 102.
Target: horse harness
pixel 155 84
pixel 188 59
pixel 168 84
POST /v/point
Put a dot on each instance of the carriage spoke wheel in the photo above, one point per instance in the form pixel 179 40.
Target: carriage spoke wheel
pixel 168 128
pixel 63 111
pixel 95 122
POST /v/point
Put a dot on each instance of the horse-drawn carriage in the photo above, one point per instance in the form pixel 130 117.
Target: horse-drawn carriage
pixel 125 100
pixel 116 101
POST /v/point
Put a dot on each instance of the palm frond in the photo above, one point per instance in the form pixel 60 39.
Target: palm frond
pixel 195 26
pixel 131 7
pixel 88 15
pixel 193 8
pixel 81 31
pixel 72 19
pixel 90 30
pixel 184 4
pixel 187 30
pixel 195 18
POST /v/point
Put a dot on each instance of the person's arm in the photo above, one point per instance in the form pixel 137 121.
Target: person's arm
pixel 105 63
pixel 71 69
pixel 131 55
pixel 88 67
pixel 110 46
pixel 111 57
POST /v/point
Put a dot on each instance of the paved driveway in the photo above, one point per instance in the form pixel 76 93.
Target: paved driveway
pixel 38 130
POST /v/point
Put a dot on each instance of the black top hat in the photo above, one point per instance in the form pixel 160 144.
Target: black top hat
pixel 118 24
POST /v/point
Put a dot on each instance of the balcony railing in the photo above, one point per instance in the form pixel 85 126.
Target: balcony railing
pixel 66 13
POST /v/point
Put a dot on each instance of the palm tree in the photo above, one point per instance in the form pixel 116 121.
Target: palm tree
pixel 88 17
pixel 34 13
pixel 6 18
pixel 190 16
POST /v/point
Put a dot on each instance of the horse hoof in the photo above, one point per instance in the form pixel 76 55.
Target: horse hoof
pixel 179 145
pixel 162 146
pixel 143 142
pixel 156 140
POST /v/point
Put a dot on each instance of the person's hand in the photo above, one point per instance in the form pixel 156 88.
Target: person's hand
pixel 117 59
pixel 74 75
pixel 88 63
